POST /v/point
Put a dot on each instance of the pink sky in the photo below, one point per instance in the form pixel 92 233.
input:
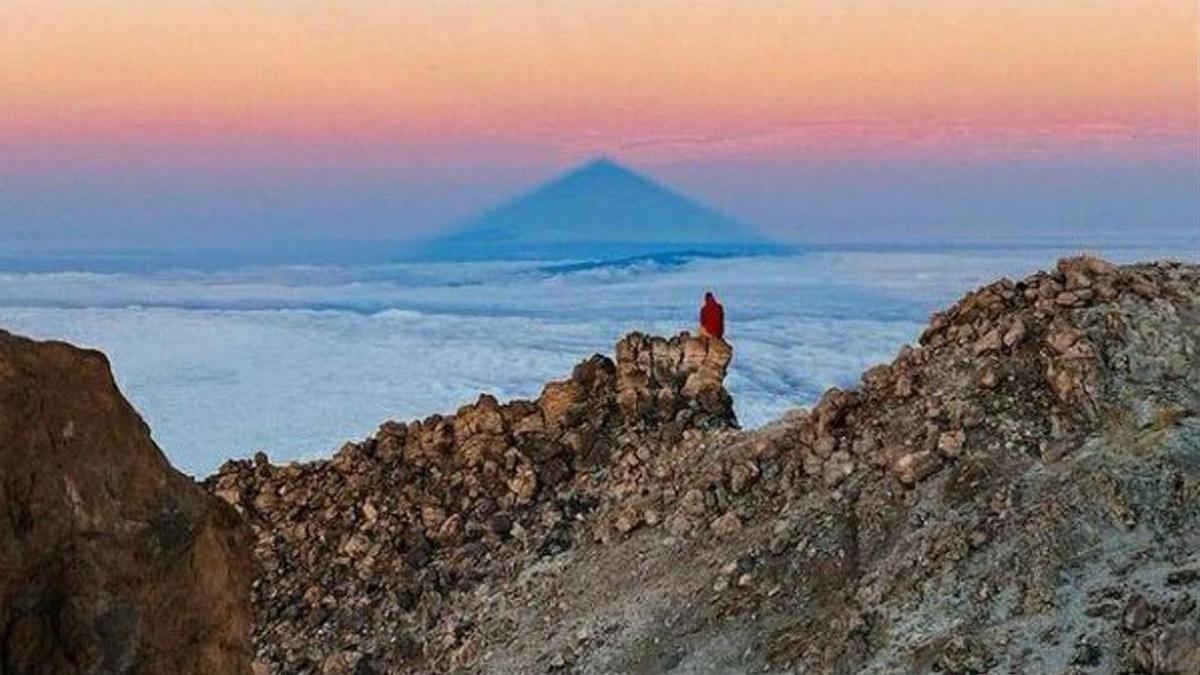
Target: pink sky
pixel 478 98
pixel 600 73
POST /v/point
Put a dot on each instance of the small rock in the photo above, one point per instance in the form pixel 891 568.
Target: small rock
pixel 741 475
pixel 916 466
pixel 1145 289
pixel 693 502
pixel 950 443
pixel 524 485
pixel 726 524
pixel 1066 299
pixel 627 521
pixel 825 446
pixel 355 545
pixel 987 379
pixel 1014 334
pixel 1138 613
pixel 837 468
pixel 990 342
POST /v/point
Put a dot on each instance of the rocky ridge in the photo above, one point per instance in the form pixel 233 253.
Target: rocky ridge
pixel 1019 492
pixel 110 560
pixel 362 554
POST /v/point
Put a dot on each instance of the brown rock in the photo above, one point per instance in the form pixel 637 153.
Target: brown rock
pixel 628 520
pixel 1014 334
pixel 741 476
pixel 557 401
pixel 1143 286
pixel 693 502
pixel 987 379
pixel 990 342
pixel 627 441
pixel 1084 265
pixel 812 464
pixel 355 545
pixel 1061 338
pixel 524 484
pixel 432 517
pixel 151 574
pixel 950 443
pixel 837 468
pixel 1066 299
pixel 726 525
pixel 913 467
pixel 825 446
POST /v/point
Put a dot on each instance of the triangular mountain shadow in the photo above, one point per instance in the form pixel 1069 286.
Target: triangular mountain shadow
pixel 600 210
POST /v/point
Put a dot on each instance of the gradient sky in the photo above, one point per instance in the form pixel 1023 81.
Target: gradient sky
pixel 160 123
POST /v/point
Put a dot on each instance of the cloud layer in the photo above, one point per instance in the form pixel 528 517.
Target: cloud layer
pixel 297 360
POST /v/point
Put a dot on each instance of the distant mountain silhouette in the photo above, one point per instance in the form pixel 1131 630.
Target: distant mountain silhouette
pixel 600 210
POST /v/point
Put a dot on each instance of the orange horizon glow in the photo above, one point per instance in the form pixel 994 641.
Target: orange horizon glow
pixel 76 70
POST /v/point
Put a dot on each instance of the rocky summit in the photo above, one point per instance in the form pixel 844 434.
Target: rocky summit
pixel 1017 493
pixel 110 560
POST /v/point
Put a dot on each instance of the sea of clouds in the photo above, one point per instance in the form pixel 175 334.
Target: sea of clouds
pixel 297 360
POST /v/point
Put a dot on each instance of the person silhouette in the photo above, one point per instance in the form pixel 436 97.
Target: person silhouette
pixel 712 318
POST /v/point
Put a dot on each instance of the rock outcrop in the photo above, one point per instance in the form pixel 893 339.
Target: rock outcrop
pixel 1019 492
pixel 110 560
pixel 364 555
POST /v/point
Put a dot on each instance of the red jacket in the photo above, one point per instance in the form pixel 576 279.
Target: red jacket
pixel 712 316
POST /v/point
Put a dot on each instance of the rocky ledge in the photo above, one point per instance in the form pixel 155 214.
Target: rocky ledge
pixel 362 555
pixel 110 560
pixel 1018 493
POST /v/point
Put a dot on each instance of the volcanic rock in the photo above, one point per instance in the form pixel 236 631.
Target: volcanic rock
pixel 995 499
pixel 382 540
pixel 110 560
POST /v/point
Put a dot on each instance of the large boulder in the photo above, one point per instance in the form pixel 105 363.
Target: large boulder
pixel 660 377
pixel 111 561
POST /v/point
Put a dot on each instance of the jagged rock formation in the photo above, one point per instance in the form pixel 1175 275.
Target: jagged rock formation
pixel 1020 492
pixel 110 560
pixel 362 555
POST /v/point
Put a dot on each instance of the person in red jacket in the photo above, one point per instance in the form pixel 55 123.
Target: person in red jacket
pixel 712 318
